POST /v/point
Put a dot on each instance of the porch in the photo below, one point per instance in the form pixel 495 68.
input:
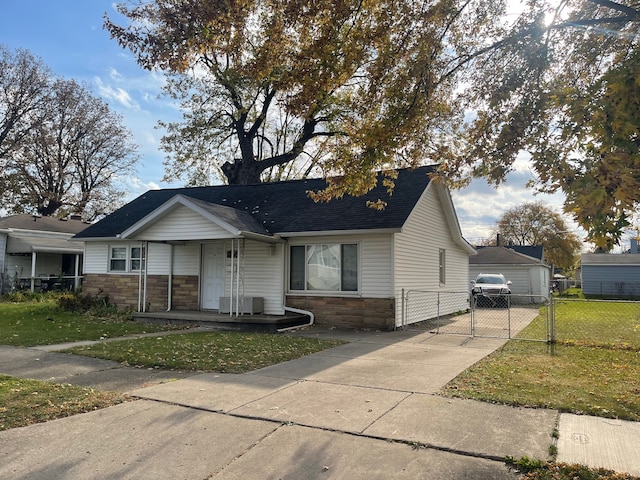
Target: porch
pixel 223 321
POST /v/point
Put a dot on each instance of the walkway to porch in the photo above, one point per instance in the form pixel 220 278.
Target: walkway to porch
pixel 224 321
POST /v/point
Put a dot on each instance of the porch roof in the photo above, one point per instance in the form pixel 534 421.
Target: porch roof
pixel 30 244
pixel 235 222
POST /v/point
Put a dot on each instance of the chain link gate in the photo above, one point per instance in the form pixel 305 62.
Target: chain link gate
pixel 460 313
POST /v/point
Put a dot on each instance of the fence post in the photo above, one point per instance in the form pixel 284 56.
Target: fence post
pixel 403 315
pixel 509 316
pixel 472 304
pixel 552 321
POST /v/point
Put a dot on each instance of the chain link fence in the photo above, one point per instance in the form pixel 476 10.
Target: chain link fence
pixel 459 313
pixel 568 311
pixel 612 290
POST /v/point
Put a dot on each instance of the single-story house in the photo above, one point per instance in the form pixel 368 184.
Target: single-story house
pixel 528 275
pixel 611 275
pixel 35 252
pixel 269 248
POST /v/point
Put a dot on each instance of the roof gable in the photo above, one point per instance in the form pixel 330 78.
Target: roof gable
pixel 278 208
pixel 223 220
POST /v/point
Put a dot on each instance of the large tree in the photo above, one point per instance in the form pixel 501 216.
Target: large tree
pixel 564 85
pixel 533 223
pixel 68 163
pixel 362 85
pixel 349 86
pixel 24 91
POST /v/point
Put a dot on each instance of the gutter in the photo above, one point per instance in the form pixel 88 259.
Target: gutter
pixel 297 310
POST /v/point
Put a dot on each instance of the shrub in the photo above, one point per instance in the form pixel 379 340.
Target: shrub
pixel 78 303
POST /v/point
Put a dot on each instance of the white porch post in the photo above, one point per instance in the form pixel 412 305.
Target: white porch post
pixel 238 280
pixel 76 274
pixel 33 271
pixel 231 284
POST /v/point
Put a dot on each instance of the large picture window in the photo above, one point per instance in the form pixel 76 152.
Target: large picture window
pixel 324 267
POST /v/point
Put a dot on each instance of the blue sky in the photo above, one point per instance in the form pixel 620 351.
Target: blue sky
pixel 68 36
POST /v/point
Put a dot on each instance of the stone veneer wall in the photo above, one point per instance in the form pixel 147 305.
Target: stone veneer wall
pixel 378 313
pixel 123 290
pixel 185 292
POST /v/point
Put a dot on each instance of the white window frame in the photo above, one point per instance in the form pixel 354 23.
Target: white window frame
pixel 140 259
pixel 128 258
pixel 308 291
pixel 112 258
pixel 442 266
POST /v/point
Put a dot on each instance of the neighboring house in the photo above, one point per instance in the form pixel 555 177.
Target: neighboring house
pixel 611 275
pixel 528 275
pixel 35 252
pixel 269 247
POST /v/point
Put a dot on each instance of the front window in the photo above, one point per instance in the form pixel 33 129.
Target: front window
pixel 324 267
pixel 126 258
pixel 137 259
pixel 118 259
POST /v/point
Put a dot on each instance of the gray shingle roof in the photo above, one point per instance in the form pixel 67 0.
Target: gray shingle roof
pixel 43 224
pixel 501 256
pixel 284 207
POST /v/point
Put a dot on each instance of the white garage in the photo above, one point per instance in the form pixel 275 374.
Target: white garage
pixel 528 275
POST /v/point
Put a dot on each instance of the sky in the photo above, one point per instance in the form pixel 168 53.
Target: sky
pixel 68 36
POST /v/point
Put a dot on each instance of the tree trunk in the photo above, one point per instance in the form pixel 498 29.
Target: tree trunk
pixel 242 172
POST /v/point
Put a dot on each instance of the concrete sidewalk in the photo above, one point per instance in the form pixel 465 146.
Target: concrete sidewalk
pixel 363 410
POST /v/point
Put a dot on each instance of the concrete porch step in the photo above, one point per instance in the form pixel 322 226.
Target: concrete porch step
pixel 223 321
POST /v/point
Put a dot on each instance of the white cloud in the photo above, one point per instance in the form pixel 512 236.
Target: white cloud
pixel 117 94
pixel 479 206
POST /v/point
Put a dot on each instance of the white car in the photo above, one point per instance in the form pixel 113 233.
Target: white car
pixel 491 290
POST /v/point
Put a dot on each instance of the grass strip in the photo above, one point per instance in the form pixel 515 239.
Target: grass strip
pixel 43 323
pixel 224 352
pixel 25 402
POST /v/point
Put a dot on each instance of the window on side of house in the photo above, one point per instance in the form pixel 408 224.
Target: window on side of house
pixel 324 268
pixel 136 260
pixel 442 265
pixel 118 259
pixel 126 258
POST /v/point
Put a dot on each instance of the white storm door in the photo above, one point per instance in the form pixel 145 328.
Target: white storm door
pixel 212 275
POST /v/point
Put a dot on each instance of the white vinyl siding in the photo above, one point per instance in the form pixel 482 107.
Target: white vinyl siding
pixel 262 273
pixel 417 252
pixel 374 263
pixel 186 259
pixel 96 257
pixel 183 224
pixel 525 279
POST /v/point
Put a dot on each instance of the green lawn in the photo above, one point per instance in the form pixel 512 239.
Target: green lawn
pixel 25 402
pixel 224 352
pixel 594 369
pixel 43 323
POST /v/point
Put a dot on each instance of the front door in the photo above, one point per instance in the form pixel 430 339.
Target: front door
pixel 212 275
